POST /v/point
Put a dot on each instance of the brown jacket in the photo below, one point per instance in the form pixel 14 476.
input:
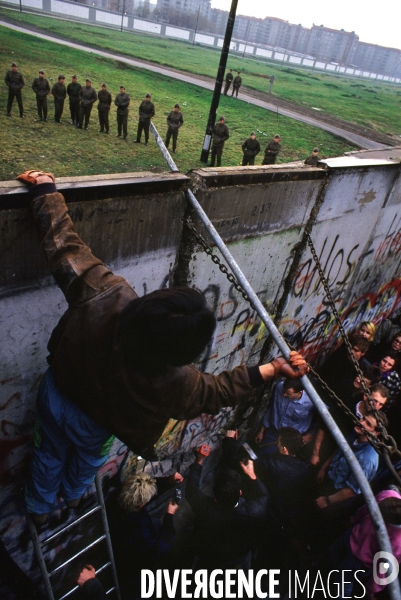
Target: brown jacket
pixel 84 355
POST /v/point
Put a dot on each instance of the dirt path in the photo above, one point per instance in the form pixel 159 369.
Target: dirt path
pixel 367 139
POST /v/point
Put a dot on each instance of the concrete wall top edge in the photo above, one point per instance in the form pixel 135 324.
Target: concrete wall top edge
pixel 212 178
pixel 99 187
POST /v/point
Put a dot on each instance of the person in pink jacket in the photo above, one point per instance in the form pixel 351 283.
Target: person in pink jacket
pixel 356 549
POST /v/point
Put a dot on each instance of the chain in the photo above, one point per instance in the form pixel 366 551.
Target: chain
pixel 387 445
pixel 201 240
pixel 372 438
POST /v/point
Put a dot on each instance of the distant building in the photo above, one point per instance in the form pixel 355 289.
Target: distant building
pixel 189 6
pixel 378 59
pixel 219 18
pixel 331 45
pixel 275 32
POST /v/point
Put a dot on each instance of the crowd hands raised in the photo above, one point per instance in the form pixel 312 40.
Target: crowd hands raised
pixel 290 484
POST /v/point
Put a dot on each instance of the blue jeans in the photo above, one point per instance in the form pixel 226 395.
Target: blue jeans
pixel 69 448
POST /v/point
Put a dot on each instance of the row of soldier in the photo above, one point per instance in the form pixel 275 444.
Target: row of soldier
pixel 82 99
pixel 251 148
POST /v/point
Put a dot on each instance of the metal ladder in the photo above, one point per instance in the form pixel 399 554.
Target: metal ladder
pixel 39 544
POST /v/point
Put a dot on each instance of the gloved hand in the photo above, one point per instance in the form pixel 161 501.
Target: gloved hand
pixel 33 177
pixel 294 369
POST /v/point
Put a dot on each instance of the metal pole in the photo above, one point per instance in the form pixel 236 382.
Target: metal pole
pixel 122 15
pixel 246 38
pixel 39 555
pixel 363 483
pixel 219 82
pixel 196 26
pixel 106 530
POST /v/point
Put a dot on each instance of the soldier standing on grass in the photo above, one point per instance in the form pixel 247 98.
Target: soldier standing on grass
pixel 15 83
pixel 174 122
pixel 59 93
pixel 88 97
pixel 41 88
pixel 229 79
pixel 236 84
pixel 250 148
pixel 220 135
pixel 74 91
pixel 146 112
pixel 272 150
pixel 103 108
pixel 122 102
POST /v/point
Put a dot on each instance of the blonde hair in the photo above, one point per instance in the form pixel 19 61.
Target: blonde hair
pixel 137 491
pixel 371 327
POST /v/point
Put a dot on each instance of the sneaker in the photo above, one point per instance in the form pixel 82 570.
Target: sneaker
pixel 86 129
pixel 137 142
pixel 39 520
pixel 8 114
pixel 73 123
pixel 174 151
pixel 100 130
pixel 125 137
pixel 45 120
pixel 73 503
pixel 118 135
pixel 107 132
pixel 21 116
pixel 146 144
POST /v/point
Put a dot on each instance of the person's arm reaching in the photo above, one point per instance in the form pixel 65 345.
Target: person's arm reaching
pixel 344 494
pixel 78 273
pixel 206 393
pixel 255 504
pixel 315 458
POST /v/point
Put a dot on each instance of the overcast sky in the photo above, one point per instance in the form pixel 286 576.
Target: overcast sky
pixel 374 22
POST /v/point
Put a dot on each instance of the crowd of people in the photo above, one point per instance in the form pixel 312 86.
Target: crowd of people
pixel 120 365
pixel 291 486
pixel 83 98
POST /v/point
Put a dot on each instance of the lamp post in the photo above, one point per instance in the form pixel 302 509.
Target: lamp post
pixel 246 38
pixel 196 26
pixel 122 15
pixel 219 82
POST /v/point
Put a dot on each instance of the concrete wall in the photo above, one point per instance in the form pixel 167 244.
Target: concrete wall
pixel 134 224
pixel 113 19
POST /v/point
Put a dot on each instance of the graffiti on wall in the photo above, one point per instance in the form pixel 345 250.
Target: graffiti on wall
pixel 360 282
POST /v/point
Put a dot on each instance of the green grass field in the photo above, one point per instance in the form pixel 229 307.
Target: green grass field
pixel 67 151
pixel 369 104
